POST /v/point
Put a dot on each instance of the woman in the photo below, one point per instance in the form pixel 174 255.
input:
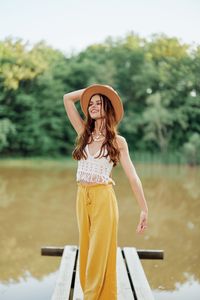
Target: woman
pixel 98 149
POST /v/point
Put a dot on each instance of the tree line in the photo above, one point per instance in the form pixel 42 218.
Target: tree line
pixel 158 81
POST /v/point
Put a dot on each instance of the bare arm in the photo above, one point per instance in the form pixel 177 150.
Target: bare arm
pixel 134 180
pixel 69 100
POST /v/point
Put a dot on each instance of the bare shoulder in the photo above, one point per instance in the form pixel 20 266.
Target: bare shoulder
pixel 121 142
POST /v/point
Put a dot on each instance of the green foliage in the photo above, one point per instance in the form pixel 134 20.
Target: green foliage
pixel 6 129
pixel 158 123
pixel 158 81
pixel 18 64
pixel 192 149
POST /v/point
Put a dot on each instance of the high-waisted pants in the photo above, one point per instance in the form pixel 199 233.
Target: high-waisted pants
pixel 97 216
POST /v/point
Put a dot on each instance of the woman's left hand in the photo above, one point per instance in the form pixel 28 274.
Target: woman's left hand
pixel 143 222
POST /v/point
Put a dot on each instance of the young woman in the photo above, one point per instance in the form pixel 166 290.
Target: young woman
pixel 98 149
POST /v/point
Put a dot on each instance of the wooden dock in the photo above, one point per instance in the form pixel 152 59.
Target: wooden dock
pixel 131 279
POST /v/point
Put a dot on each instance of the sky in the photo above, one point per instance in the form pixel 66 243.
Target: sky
pixel 72 25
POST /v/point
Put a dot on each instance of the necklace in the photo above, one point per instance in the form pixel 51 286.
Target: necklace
pixel 98 137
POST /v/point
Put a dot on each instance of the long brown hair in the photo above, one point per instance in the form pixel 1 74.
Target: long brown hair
pixel 110 138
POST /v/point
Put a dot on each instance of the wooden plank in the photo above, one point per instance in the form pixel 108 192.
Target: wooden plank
pixel 142 253
pixel 150 254
pixel 140 283
pixel 63 283
pixel 124 290
pixel 78 293
pixel 52 250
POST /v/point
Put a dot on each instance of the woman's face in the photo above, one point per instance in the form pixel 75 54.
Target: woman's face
pixel 95 107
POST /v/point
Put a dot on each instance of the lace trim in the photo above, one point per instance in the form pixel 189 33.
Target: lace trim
pixel 88 177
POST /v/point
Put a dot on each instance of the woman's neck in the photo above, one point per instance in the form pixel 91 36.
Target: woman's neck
pixel 99 126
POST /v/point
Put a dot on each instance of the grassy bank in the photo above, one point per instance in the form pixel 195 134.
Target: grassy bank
pixel 137 157
pixel 158 157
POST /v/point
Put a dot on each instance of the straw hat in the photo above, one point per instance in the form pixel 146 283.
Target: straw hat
pixel 104 90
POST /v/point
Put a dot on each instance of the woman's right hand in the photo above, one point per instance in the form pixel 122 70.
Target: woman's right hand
pixel 142 222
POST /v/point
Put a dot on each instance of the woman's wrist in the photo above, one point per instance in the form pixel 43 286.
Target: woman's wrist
pixel 144 210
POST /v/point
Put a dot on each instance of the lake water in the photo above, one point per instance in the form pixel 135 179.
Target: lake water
pixel 37 208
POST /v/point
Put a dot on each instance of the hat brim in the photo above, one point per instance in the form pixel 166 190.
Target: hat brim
pixel 108 92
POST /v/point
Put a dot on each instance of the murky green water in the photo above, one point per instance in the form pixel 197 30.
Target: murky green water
pixel 37 208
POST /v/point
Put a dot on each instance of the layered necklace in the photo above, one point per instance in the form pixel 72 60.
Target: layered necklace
pixel 99 137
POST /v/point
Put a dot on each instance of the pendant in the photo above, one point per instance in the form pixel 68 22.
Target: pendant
pixel 98 137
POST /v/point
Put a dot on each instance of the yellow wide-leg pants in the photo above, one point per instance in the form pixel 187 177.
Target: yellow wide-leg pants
pixel 97 217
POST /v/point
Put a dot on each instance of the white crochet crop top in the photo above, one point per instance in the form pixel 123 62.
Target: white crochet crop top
pixel 94 170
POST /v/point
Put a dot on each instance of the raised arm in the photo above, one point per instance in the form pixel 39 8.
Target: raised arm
pixel 69 100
